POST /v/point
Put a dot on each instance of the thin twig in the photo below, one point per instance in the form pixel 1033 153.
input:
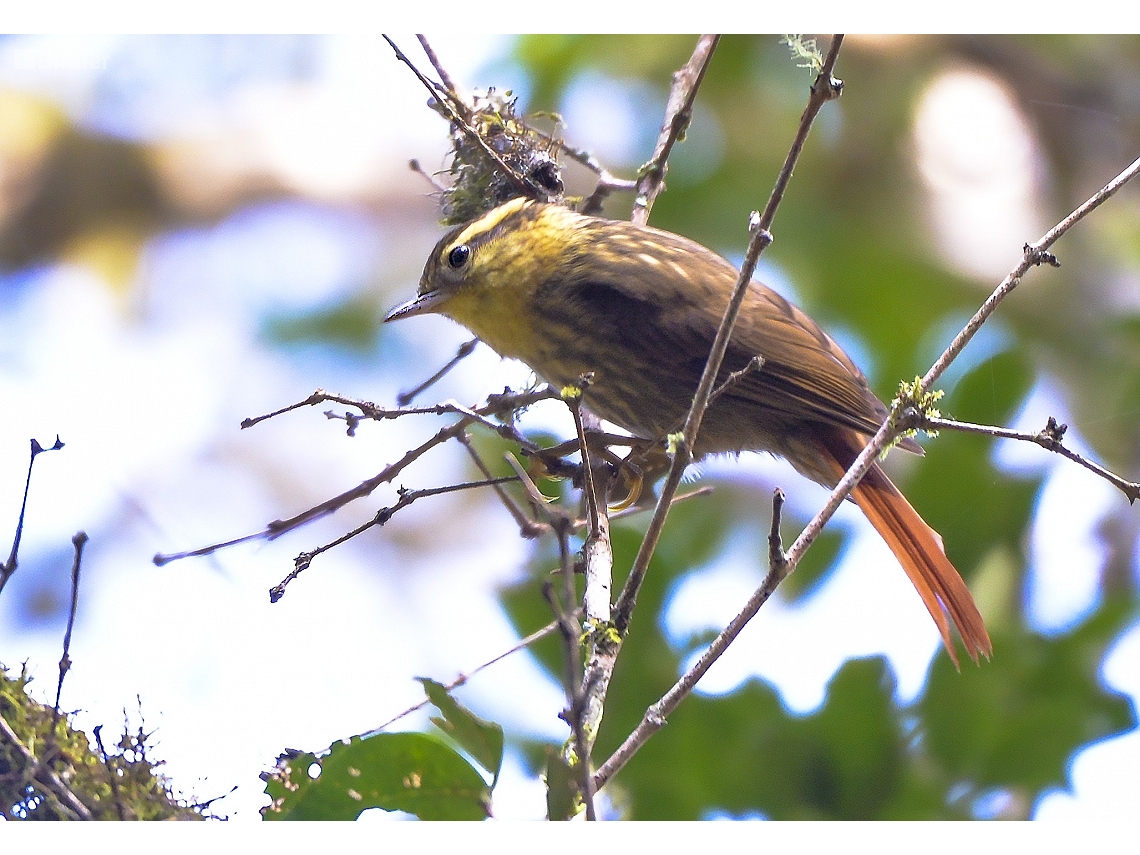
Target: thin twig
pixel 463 677
pixel 528 528
pixel 77 542
pixel 607 182
pixel 444 77
pixel 1034 254
pixel 707 490
pixel 415 166
pixel 678 115
pixel 825 89
pixel 754 365
pixel 776 560
pixel 538 501
pixel 597 552
pixel 9 567
pixel 656 715
pixel 496 404
pixel 302 562
pixel 465 349
pixel 573 398
pixel 1049 438
pixel 112 774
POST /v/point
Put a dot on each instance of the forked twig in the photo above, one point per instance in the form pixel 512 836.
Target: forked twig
pixel 8 567
pixel 1034 255
pixel 381 517
pixel 496 404
pixel 444 77
pixel 678 115
pixel 1050 438
pixel 657 714
pixel 528 528
pixel 463 677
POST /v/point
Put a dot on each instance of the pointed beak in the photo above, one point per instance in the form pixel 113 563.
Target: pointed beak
pixel 424 304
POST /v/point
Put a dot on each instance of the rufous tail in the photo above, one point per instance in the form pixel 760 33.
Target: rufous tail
pixel 918 548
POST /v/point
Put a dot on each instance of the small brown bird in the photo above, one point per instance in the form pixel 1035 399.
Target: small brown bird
pixel 639 307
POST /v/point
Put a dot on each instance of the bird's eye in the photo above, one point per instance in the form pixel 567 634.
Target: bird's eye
pixel 458 256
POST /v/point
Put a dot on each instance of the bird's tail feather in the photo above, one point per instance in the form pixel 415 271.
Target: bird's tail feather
pixel 919 549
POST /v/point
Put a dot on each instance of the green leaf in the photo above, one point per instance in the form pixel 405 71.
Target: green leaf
pixel 1016 721
pixel 480 738
pixel 745 753
pixel 413 772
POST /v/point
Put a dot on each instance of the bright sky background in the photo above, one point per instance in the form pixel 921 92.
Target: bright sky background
pixel 147 384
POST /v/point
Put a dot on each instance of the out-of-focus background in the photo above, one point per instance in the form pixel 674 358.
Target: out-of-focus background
pixel 194 230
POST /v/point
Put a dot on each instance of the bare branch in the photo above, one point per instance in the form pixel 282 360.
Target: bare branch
pixel 678 115
pixel 77 542
pixel 1034 255
pixel 601 645
pixel 444 77
pixel 415 166
pixel 496 404
pixel 382 516
pixel 463 677
pixel 656 716
pixel 9 567
pixel 777 563
pixel 528 528
pixel 707 490
pixel 607 181
pixel 577 752
pixel 754 365
pixel 537 500
pixel 465 349
pixel 1049 438
pixel 825 89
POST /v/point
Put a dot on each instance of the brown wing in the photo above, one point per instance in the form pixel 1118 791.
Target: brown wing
pixel 663 294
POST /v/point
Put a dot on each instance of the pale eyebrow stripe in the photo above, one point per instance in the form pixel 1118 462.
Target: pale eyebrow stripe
pixel 489 221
